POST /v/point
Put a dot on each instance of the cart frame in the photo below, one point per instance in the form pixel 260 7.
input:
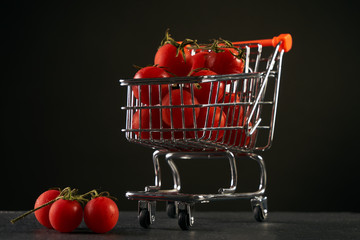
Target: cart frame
pixel 252 84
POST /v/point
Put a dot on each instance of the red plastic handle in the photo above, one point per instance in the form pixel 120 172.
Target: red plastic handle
pixel 285 39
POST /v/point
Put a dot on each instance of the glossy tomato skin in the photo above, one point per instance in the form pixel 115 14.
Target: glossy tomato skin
pixel 224 62
pixel 145 122
pixel 218 121
pixel 65 215
pixel 42 215
pixel 101 214
pixel 177 111
pixel 235 117
pixel 173 61
pixel 202 91
pixel 150 72
pixel 199 60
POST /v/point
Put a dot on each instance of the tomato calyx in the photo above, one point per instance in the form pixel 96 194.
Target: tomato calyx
pixel 95 194
pixel 179 46
pixel 219 45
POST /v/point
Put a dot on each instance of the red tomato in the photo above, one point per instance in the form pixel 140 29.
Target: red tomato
pixel 218 121
pixel 151 72
pixel 101 214
pixel 173 60
pixel 177 111
pixel 145 122
pixel 235 117
pixel 42 215
pixel 224 62
pixel 199 60
pixel 65 215
pixel 203 90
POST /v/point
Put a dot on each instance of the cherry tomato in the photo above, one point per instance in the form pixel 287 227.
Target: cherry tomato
pixel 173 60
pixel 150 72
pixel 224 62
pixel 145 122
pixel 42 215
pixel 235 117
pixel 101 214
pixel 212 122
pixel 199 60
pixel 65 215
pixel 203 90
pixel 176 112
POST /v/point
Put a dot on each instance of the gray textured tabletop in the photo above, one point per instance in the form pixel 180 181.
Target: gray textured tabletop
pixel 208 225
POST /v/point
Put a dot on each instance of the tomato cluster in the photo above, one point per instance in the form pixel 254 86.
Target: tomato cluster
pixel 64 211
pixel 188 59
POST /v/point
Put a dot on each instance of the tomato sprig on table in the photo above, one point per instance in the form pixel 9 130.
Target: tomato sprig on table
pixel 179 106
pixel 63 210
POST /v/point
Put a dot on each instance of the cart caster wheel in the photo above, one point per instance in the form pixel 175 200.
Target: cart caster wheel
pixel 258 214
pixel 144 218
pixel 184 221
pixel 171 209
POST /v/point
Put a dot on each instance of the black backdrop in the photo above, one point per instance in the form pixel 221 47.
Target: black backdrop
pixel 61 118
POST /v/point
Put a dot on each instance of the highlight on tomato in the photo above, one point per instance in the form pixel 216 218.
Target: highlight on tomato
pixel 150 72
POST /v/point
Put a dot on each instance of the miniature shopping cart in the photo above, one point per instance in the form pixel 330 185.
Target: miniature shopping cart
pixel 257 90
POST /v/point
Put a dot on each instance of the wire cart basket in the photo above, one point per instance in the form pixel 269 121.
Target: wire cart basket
pixel 249 127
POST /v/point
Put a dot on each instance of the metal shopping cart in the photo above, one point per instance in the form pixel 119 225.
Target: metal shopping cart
pixel 256 97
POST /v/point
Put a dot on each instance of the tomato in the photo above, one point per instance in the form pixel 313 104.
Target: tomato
pixel 42 215
pixel 202 91
pixel 145 122
pixel 199 60
pixel 235 117
pixel 225 62
pixel 65 215
pixel 176 112
pixel 218 120
pixel 101 214
pixel 174 60
pixel 150 72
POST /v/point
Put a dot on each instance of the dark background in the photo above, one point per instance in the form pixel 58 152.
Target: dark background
pixel 60 99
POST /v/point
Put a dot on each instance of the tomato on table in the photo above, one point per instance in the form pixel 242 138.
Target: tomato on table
pixel 101 214
pixel 65 215
pixel 42 215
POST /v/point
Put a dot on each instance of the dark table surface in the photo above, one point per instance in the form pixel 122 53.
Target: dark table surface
pixel 208 225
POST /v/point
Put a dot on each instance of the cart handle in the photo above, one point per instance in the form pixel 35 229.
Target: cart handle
pixel 285 39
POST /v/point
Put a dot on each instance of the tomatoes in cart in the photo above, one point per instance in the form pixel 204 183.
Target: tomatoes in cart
pixel 216 118
pixel 199 61
pixel 204 90
pixel 175 60
pixel 235 117
pixel 150 72
pixel 65 215
pixel 225 61
pixel 101 214
pixel 42 215
pixel 177 113
pixel 145 122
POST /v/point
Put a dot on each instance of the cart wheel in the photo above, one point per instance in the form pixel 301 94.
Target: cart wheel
pixel 171 209
pixel 144 218
pixel 258 214
pixel 184 221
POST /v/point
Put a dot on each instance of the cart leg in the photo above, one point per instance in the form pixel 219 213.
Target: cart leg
pixel 185 220
pixel 233 169
pixel 174 171
pixel 146 211
pixel 157 172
